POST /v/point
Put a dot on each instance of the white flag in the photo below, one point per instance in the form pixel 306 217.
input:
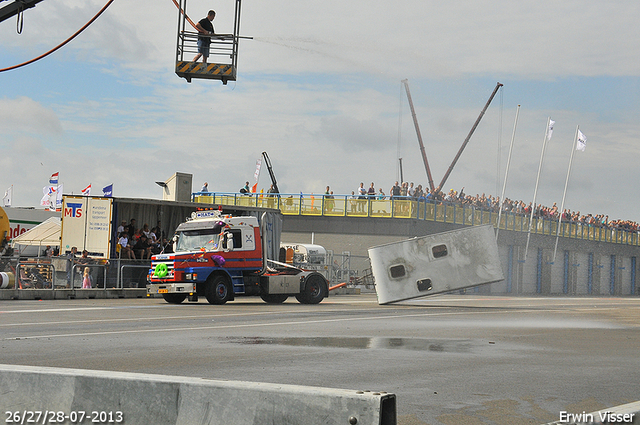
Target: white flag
pixel 7 197
pixel 550 129
pixel 58 203
pixel 582 141
pixel 46 192
pixel 55 198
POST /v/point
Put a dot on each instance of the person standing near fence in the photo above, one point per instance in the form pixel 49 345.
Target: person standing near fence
pixel 71 256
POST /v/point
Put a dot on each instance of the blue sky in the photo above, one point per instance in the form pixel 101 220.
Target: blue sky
pixel 319 89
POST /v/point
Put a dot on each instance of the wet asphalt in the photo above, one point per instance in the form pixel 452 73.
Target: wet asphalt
pixel 453 359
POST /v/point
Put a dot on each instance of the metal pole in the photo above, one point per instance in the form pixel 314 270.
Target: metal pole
pixel 399 127
pixel 236 34
pixel 535 192
pixel 564 194
pixel 473 129
pixel 415 123
pixel 182 11
pixel 504 184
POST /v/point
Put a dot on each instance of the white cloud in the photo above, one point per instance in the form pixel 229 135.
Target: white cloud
pixel 24 115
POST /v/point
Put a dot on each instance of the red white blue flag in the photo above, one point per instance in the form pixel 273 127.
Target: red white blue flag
pixel 54 178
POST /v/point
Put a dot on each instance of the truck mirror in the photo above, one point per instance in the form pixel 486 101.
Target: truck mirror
pixel 229 238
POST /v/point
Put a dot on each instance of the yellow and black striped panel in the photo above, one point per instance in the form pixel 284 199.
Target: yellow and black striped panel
pixel 214 71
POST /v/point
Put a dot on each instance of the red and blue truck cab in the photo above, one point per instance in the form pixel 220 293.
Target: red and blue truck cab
pixel 222 256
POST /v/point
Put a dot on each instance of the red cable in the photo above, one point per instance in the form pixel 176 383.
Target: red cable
pixel 185 15
pixel 63 43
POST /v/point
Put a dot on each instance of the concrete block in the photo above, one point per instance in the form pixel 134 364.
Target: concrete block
pixel 167 400
pixel 436 264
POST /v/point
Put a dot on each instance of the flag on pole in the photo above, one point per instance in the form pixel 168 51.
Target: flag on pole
pixel 256 175
pixel 49 196
pixel 46 193
pixel 550 129
pixel 582 141
pixel 8 194
pixel 56 202
pixel 54 178
pixel 107 191
pixel 87 190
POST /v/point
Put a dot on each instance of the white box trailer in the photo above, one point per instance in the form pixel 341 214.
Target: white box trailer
pixel 435 264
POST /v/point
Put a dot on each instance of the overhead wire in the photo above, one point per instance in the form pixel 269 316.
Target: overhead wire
pixel 21 19
pixel 61 44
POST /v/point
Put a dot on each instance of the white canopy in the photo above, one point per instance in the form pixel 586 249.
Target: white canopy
pixel 45 233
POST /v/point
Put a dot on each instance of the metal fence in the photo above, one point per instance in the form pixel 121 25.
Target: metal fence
pixel 58 273
pixel 357 206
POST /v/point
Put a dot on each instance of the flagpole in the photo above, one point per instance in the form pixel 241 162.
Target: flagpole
pixel 535 192
pixel 506 173
pixel 564 194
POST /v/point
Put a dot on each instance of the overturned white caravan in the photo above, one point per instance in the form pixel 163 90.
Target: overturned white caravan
pixel 435 264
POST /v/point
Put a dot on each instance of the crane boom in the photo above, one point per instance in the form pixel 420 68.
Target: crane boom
pixel 415 123
pixel 271 174
pixel 464 144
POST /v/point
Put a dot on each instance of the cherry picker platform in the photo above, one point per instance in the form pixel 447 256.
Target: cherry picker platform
pixel 223 52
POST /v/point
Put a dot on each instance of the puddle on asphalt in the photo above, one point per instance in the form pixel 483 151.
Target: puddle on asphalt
pixel 363 343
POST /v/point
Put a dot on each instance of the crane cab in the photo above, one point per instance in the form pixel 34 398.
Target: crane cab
pixel 223 53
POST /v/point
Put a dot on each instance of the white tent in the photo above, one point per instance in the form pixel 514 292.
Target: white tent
pixel 45 233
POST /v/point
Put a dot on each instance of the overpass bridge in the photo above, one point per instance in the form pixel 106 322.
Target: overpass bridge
pixel 590 259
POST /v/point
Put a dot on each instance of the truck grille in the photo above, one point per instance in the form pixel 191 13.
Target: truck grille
pixel 154 265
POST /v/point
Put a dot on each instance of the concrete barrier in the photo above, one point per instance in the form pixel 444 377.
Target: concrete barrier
pixel 64 294
pixel 132 398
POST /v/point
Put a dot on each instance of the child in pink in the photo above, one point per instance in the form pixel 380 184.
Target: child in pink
pixel 86 279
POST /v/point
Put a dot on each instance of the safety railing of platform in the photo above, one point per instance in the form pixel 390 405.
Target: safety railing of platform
pixel 468 215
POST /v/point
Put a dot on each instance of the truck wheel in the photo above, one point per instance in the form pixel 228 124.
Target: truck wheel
pixel 274 298
pixel 314 290
pixel 218 290
pixel 174 298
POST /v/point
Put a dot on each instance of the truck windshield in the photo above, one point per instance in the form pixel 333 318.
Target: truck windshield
pixel 195 240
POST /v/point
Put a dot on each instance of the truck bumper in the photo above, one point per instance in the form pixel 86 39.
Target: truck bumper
pixel 171 288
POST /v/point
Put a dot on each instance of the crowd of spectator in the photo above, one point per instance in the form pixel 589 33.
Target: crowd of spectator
pixel 490 203
pixel 408 191
pixel 139 243
pixel 553 213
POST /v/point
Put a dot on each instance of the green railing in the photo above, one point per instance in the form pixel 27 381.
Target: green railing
pixel 348 206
